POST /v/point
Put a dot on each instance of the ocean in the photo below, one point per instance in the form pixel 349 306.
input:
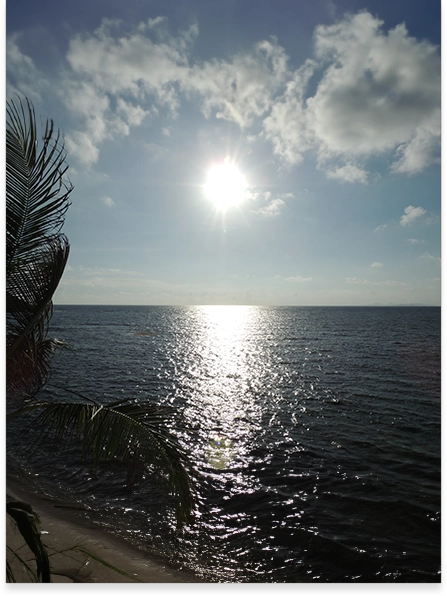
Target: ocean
pixel 314 434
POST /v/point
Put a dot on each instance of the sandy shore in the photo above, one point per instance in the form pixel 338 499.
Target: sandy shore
pixel 62 528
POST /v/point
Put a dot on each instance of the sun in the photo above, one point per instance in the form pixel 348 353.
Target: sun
pixel 225 185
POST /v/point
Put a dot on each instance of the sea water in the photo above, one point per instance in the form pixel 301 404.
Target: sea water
pixel 313 434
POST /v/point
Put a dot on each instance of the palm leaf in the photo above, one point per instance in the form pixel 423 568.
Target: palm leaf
pixel 37 198
pixel 30 288
pixel 88 553
pixel 26 520
pixel 36 193
pixel 10 577
pixel 124 430
pixel 29 293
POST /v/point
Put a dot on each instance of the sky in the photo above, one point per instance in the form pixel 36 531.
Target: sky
pixel 329 112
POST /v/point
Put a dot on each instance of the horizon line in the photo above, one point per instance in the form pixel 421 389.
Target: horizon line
pixel 378 305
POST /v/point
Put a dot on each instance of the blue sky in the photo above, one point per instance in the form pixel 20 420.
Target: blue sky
pixel 330 110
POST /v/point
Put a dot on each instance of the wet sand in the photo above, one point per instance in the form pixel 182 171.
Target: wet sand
pixel 62 528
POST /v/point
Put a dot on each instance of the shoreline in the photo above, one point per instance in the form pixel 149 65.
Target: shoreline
pixel 61 529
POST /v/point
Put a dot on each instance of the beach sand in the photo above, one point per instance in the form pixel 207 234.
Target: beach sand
pixel 62 528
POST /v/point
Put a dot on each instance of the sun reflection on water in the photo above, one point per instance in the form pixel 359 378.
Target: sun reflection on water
pixel 223 394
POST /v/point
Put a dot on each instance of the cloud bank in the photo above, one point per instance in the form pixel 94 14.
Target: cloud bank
pixel 365 92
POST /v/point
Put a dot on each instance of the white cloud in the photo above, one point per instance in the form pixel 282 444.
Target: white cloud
pixel 377 89
pixel 112 75
pixel 133 115
pixel 432 219
pixel 374 92
pixel 273 208
pixel 349 173
pixel 410 214
pixel 84 100
pixel 298 278
pixel 416 154
pixel 147 64
pixel 242 89
pixel 286 126
pixel 390 282
pixel 414 241
pixel 377 265
pixel 356 280
pixel 23 77
pixel 378 92
pixel 380 228
pixel 107 201
pixel 81 145
pixel 367 282
pixel 153 23
pixel 428 257
pixel 131 63
pixel 113 271
pixel 256 195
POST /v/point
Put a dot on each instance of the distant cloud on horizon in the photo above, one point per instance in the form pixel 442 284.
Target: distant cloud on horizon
pixel 388 282
pixel 298 279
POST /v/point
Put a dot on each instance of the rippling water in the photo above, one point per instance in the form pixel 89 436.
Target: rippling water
pixel 315 433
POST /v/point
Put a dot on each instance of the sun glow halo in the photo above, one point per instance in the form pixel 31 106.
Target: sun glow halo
pixel 225 185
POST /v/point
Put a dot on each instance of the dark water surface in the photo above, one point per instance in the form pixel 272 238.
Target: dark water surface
pixel 315 434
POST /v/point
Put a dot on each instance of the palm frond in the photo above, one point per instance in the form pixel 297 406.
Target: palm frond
pixel 123 430
pixel 37 195
pixel 30 289
pixel 37 198
pixel 10 576
pixel 88 553
pixel 29 293
pixel 26 520
pixel 28 369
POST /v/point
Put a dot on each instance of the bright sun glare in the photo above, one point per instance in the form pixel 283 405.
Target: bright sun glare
pixel 225 185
